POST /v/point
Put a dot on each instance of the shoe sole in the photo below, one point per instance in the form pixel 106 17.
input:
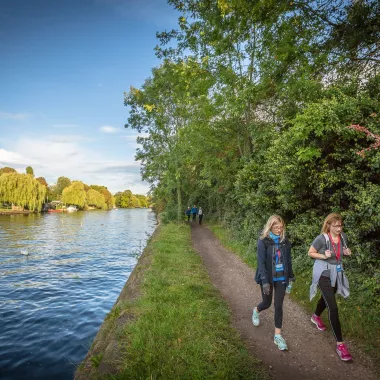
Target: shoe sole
pixel 258 323
pixel 317 325
pixel 281 349
pixel 255 324
pixel 343 360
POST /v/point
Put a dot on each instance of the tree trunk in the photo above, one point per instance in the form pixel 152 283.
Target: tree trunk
pixel 179 199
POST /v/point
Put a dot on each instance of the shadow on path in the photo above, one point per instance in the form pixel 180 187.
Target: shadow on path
pixel 311 352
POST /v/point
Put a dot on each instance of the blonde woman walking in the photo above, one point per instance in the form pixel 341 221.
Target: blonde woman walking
pixel 274 273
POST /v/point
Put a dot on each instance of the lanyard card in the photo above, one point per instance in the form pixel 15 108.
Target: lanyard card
pixel 279 267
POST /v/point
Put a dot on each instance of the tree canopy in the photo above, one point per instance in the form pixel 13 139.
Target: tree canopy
pixel 29 170
pixel 22 190
pixel 7 169
pixel 81 194
pixel 74 194
pixel 126 199
pixel 268 107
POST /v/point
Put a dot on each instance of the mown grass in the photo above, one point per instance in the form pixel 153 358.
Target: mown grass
pixel 182 329
pixel 360 320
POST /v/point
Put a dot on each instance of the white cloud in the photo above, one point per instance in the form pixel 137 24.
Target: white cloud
pixel 55 156
pixel 109 129
pixel 8 158
pixel 14 116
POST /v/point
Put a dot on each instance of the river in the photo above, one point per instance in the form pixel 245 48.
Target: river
pixel 54 299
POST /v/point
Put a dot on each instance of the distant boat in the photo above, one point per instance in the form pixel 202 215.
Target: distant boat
pixel 71 209
pixel 25 252
pixel 115 208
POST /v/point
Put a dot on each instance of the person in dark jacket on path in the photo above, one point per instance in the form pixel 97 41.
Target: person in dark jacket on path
pixel 274 273
pixel 194 212
pixel 188 213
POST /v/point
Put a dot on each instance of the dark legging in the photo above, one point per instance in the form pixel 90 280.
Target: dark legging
pixel 328 299
pixel 279 294
pixel 200 216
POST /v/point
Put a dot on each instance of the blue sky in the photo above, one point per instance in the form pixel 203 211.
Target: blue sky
pixel 64 67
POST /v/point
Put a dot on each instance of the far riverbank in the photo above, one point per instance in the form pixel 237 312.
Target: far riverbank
pixel 14 212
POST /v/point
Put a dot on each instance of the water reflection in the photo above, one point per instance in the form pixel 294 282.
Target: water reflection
pixel 53 300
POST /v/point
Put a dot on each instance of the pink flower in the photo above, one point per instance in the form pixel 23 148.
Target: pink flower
pixel 375 145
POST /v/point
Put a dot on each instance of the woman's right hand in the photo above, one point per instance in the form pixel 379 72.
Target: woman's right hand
pixel 266 289
pixel 328 253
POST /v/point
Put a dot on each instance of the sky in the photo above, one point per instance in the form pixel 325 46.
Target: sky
pixel 64 68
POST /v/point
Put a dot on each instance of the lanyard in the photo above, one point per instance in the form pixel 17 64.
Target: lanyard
pixel 277 249
pixel 337 252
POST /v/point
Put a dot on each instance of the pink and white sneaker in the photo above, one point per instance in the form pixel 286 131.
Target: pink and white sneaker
pixel 318 322
pixel 343 353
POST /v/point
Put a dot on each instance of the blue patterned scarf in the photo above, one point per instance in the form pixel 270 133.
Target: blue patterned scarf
pixel 275 238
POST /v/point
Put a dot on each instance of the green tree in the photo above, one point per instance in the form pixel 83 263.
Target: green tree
pixel 22 190
pixel 7 169
pixel 107 195
pixel 124 199
pixel 62 183
pixel 95 198
pixel 142 200
pixel 135 202
pixel 42 181
pixel 30 171
pixel 74 194
pixel 49 193
pixel 162 108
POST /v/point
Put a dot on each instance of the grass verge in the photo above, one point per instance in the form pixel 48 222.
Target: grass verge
pixel 359 319
pixel 181 326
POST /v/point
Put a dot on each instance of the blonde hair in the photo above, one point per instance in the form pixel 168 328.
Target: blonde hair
pixel 333 217
pixel 268 226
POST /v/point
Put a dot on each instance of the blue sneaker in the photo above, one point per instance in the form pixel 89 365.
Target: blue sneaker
pixel 280 342
pixel 255 317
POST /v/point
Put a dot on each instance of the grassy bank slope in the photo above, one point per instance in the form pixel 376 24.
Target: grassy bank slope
pixel 359 320
pixel 178 327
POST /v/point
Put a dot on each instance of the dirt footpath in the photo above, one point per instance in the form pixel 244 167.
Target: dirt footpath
pixel 311 352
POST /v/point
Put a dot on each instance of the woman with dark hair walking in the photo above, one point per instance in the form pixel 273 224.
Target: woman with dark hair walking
pixel 274 273
pixel 328 250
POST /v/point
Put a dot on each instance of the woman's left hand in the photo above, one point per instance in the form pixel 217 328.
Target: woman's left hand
pixel 347 251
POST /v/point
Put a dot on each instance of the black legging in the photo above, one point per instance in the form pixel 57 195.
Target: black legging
pixel 194 216
pixel 200 216
pixel 328 299
pixel 279 294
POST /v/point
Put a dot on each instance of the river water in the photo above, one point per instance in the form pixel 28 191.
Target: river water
pixel 53 300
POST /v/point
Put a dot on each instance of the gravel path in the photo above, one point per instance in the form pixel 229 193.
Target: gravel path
pixel 311 352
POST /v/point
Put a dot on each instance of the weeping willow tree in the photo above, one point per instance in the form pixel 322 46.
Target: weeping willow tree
pixel 22 190
pixel 95 198
pixel 74 194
